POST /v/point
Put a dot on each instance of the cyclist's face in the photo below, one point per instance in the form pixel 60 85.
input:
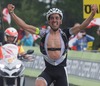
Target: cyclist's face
pixel 55 21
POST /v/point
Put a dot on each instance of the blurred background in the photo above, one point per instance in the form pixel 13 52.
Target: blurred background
pixel 84 67
pixel 34 11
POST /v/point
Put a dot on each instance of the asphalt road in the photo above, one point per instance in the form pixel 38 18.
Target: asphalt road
pixel 29 81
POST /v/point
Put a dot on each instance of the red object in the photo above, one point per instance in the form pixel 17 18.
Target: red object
pixel 43 27
pixel 94 22
pixel 1 56
pixel 35 37
pixel 74 48
pixel 6 15
pixel 20 34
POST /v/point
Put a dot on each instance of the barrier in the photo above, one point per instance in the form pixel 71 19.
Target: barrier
pixel 81 65
pixel 81 68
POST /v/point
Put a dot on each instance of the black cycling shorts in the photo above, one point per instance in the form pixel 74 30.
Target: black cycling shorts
pixel 56 74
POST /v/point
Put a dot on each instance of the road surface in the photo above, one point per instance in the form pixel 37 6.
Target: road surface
pixel 29 81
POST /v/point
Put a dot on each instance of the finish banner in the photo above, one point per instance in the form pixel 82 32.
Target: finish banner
pixel 87 8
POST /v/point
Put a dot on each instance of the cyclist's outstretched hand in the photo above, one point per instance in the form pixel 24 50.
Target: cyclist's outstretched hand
pixel 94 8
pixel 11 8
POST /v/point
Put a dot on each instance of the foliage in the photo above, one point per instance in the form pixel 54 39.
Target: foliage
pixel 33 11
pixel 72 12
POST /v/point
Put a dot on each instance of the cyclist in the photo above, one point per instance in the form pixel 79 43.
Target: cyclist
pixel 54 45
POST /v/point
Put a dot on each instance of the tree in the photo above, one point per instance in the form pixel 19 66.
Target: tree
pixel 73 11
pixel 32 11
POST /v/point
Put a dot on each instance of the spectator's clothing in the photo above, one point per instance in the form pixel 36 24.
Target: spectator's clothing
pixel 81 44
pixel 71 41
pixel 20 34
pixel 96 43
pixel 27 41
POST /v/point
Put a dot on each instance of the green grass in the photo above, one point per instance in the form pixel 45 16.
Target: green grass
pixel 90 56
pixel 31 72
pixel 83 81
pixel 35 48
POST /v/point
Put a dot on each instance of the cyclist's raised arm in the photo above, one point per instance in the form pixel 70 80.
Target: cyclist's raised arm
pixel 85 23
pixel 20 22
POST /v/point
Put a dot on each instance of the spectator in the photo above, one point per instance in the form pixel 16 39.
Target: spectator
pixel 96 44
pixel 73 38
pixel 81 40
pixel 27 40
pixel 20 35
pixel 98 31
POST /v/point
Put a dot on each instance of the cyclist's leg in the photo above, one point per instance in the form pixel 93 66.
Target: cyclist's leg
pixel 43 79
pixel 40 81
pixel 61 82
pixel 62 79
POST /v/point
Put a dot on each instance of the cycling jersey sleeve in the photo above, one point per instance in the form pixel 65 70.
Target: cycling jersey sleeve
pixel 67 32
pixel 42 32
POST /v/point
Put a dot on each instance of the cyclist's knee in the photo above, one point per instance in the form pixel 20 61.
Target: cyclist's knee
pixel 40 82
